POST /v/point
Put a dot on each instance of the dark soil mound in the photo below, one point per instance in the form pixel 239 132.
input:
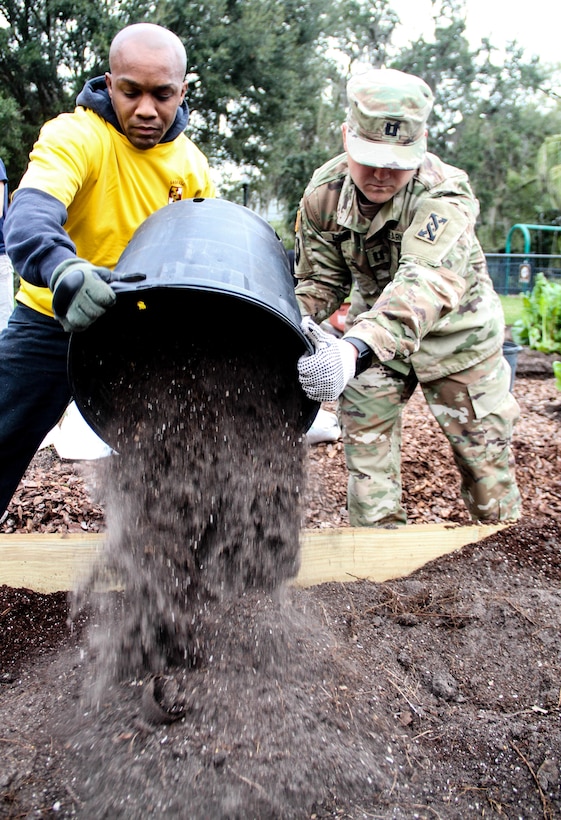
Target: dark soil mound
pixel 435 695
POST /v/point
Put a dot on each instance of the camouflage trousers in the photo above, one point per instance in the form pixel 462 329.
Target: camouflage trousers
pixel 476 412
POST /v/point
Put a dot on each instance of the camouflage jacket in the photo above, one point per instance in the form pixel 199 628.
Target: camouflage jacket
pixel 421 295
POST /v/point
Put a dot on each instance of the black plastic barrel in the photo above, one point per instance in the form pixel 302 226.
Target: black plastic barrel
pixel 215 276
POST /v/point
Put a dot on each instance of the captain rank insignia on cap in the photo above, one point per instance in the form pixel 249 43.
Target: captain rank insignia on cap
pixel 392 129
pixel 433 230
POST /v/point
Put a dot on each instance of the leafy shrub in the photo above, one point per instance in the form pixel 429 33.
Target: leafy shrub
pixel 540 324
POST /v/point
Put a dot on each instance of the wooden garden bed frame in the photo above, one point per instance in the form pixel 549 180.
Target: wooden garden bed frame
pixel 50 563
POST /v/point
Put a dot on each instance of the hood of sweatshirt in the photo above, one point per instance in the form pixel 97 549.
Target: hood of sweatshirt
pixel 95 96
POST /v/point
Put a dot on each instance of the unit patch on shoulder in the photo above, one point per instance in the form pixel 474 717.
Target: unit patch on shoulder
pixel 433 229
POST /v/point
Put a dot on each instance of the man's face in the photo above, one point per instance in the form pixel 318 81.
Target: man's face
pixel 378 185
pixel 146 87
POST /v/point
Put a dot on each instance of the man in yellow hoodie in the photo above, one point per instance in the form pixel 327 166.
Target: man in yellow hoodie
pixel 93 177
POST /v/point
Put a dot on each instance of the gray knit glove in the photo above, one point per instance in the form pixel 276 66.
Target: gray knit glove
pixel 81 293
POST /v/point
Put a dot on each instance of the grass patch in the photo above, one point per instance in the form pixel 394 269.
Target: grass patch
pixel 512 308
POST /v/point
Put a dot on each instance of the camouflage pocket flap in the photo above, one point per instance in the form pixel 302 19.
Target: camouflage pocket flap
pixel 488 393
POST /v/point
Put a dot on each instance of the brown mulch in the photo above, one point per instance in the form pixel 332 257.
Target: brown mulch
pixel 432 696
pixel 430 478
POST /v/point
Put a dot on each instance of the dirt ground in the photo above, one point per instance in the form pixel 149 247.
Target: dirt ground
pixel 432 696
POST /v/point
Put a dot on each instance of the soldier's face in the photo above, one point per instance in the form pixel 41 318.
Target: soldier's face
pixel 378 185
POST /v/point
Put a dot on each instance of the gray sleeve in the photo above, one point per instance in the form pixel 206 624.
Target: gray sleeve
pixel 36 241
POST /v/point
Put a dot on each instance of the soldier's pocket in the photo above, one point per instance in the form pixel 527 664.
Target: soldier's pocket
pixel 490 391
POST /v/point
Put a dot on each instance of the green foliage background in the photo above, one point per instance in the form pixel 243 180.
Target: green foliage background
pixel 267 92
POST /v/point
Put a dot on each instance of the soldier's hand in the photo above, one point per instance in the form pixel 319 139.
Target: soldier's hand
pixel 325 373
pixel 81 293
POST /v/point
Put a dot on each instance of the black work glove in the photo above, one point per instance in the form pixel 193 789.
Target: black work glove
pixel 81 293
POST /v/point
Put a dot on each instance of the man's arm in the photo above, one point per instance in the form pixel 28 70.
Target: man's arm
pixel 430 281
pixel 324 280
pixel 36 241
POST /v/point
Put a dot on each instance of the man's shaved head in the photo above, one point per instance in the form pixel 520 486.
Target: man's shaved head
pixel 152 37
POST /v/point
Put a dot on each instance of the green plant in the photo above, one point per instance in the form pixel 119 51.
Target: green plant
pixel 540 324
pixel 557 374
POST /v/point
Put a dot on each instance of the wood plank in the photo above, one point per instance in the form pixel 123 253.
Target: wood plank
pixel 377 554
pixel 50 563
pixel 45 562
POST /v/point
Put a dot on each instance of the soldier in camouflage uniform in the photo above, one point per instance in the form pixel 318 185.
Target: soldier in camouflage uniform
pixel 394 227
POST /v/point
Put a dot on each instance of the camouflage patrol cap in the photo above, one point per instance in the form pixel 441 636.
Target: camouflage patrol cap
pixel 386 121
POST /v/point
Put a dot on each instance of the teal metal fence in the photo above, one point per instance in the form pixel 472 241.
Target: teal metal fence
pixel 516 272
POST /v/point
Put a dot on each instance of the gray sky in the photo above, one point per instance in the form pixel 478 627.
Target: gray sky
pixel 534 25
